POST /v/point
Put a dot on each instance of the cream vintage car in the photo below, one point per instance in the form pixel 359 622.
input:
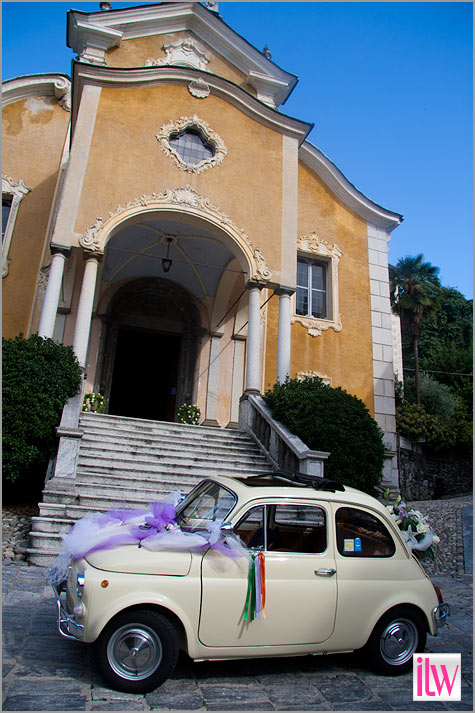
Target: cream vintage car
pixel 290 565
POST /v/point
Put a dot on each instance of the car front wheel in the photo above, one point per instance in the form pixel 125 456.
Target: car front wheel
pixel 398 635
pixel 137 651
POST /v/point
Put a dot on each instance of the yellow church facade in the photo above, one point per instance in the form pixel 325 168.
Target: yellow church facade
pixel 165 217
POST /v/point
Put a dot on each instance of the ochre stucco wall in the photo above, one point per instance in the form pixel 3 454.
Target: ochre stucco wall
pixel 135 52
pixel 126 161
pixel 346 356
pixel 33 136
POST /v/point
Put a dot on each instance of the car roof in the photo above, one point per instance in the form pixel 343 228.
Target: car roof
pixel 252 488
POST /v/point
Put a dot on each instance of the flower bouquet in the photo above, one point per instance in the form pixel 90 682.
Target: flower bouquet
pixel 414 528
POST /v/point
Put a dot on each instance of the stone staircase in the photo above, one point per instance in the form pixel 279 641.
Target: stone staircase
pixel 133 462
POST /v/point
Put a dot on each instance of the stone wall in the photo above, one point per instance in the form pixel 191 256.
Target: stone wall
pixel 426 475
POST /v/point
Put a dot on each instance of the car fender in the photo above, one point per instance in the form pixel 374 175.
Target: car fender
pixel 105 606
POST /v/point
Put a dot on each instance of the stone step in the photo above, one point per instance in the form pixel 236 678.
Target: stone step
pixel 90 422
pixel 39 557
pixel 174 481
pixel 129 463
pixel 110 443
pixel 142 463
pixel 103 502
pixel 54 525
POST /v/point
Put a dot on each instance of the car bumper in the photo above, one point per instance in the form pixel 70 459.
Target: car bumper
pixel 440 614
pixel 67 624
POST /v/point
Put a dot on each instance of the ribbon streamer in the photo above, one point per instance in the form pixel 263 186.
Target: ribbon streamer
pixel 256 589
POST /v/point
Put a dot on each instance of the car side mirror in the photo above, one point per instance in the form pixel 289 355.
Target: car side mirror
pixel 227 528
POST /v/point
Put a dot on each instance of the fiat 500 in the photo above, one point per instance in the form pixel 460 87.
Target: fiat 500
pixel 267 565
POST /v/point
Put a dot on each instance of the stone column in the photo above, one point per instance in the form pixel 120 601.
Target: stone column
pixel 238 378
pixel 84 314
pixel 253 375
pixel 283 339
pixel 213 376
pixel 52 294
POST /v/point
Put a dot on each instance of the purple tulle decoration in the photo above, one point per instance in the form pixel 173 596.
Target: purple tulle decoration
pixel 141 532
pixel 123 515
pixel 163 514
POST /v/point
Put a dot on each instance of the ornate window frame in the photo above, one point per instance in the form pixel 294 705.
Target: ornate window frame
pixel 17 190
pixel 313 247
pixel 193 122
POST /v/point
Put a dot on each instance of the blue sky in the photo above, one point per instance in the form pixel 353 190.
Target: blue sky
pixel 387 85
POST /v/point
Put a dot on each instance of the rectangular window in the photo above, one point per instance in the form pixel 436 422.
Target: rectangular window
pixel 312 288
pixel 359 534
pixel 6 208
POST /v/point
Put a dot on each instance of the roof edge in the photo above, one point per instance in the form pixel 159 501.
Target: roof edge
pixel 353 198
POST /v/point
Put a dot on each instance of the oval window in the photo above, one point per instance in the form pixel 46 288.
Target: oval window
pixel 191 146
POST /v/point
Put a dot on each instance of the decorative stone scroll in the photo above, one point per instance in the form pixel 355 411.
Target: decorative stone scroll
pixel 182 52
pixel 17 190
pixel 313 245
pixel 186 197
pixel 62 92
pixel 210 136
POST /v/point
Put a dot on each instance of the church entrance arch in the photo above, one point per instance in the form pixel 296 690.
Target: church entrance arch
pixel 149 349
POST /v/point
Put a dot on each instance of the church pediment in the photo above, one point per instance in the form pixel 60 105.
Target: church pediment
pixel 187 34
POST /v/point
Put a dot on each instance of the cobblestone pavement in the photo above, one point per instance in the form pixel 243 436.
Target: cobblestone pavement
pixel 45 672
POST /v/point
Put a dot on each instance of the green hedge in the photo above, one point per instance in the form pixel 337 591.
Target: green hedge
pixel 331 419
pixel 39 375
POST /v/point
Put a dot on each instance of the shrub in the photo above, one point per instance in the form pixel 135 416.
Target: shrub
pixel 415 423
pixel 39 375
pixel 331 419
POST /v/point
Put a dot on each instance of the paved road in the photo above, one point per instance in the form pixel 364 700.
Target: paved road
pixel 45 672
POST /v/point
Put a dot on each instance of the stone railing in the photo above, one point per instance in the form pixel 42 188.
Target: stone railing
pixel 282 448
pixel 62 468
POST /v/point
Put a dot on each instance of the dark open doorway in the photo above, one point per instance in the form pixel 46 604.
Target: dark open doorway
pixel 144 380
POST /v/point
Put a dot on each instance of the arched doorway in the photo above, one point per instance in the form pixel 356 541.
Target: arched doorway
pixel 149 349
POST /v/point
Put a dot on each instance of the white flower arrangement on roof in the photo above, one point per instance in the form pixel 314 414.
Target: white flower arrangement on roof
pixel 414 527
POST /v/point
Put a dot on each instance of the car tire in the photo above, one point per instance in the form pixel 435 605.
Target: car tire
pixel 137 651
pixel 398 635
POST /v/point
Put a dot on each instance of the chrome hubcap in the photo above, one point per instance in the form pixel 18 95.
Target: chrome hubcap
pixel 134 652
pixel 399 641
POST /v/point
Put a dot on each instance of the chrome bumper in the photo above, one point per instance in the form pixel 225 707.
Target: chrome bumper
pixel 67 625
pixel 440 614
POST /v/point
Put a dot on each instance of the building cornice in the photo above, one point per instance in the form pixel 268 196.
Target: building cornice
pixel 38 85
pixel 344 190
pixel 114 77
pixel 172 17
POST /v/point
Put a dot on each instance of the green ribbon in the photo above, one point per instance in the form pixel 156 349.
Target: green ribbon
pixel 250 606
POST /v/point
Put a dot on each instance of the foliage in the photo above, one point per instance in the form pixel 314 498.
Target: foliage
pixel 188 413
pixel 446 344
pixel 415 423
pixel 414 294
pixel 331 419
pixel 94 402
pixel 39 375
pixel 436 398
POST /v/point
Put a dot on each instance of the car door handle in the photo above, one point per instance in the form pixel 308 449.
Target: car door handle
pixel 325 572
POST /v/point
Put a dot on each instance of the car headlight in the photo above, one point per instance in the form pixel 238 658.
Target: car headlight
pixel 80 584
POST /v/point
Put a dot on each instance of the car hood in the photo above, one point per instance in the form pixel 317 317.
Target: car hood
pixel 138 560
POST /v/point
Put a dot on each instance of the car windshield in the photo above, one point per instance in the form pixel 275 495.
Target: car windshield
pixel 208 502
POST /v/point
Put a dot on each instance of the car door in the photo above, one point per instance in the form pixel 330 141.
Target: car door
pixel 300 579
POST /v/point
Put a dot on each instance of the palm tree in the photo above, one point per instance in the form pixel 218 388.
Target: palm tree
pixel 414 288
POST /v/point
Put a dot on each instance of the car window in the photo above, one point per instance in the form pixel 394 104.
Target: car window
pixel 251 528
pixel 298 528
pixel 359 534
pixel 208 502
